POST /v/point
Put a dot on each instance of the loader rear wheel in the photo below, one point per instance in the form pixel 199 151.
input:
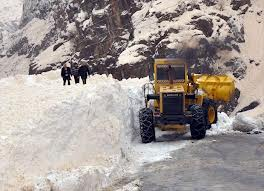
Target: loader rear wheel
pixel 198 124
pixel 147 130
pixel 210 112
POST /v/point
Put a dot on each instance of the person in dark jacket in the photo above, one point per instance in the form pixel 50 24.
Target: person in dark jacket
pixel 84 72
pixel 75 72
pixel 66 74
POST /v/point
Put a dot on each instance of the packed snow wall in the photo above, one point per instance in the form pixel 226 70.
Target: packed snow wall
pixel 45 126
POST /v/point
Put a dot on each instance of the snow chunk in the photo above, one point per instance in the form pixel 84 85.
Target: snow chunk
pixel 99 12
pixel 223 126
pixel 36 30
pixel 132 55
pixel 48 56
pixel 71 28
pixel 77 179
pixel 132 186
pixel 81 16
pixel 246 124
pixel 87 23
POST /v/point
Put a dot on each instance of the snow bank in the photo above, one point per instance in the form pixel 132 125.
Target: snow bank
pixel 245 123
pixel 45 126
pixel 224 125
pixel 236 124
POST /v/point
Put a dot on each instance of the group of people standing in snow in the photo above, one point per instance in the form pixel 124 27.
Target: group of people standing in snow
pixel 77 72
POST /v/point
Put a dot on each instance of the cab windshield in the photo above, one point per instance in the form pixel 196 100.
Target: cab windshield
pixel 170 72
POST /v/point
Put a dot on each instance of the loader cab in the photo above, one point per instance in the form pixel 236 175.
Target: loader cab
pixel 170 72
pixel 167 70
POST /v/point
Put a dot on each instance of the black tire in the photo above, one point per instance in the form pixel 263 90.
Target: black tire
pixel 147 130
pixel 198 125
pixel 206 104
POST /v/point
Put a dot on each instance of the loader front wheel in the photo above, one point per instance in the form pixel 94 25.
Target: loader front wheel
pixel 198 124
pixel 147 130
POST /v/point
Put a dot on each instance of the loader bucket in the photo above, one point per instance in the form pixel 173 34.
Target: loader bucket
pixel 217 87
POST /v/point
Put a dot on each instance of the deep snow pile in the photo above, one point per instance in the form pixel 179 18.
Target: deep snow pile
pixel 45 126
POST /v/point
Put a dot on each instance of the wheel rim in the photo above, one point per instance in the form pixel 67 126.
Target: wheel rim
pixel 211 114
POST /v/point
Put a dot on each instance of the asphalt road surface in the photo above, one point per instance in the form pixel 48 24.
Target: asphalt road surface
pixel 217 163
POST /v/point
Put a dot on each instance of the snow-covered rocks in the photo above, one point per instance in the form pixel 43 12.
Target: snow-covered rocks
pixel 132 55
pixel 40 28
pixel 236 4
pixel 195 30
pixel 244 123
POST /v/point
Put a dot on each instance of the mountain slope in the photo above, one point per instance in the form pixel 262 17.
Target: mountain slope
pixel 10 14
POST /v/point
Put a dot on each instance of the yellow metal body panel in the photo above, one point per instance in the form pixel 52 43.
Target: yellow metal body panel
pixel 216 87
pixel 158 83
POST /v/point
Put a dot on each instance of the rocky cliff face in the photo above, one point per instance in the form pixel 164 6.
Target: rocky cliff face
pixel 100 31
pixel 121 38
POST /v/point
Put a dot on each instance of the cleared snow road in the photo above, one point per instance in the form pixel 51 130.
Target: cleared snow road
pixel 226 162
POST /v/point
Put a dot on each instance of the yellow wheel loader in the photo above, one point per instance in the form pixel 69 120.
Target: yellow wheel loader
pixel 177 98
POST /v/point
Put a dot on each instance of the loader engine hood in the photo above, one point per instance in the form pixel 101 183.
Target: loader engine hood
pixel 172 99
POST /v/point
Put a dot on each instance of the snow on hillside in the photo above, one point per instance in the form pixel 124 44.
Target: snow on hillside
pixel 72 137
pixel 251 87
pixel 10 14
pixel 28 40
pixel 14 65
pixel 173 26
